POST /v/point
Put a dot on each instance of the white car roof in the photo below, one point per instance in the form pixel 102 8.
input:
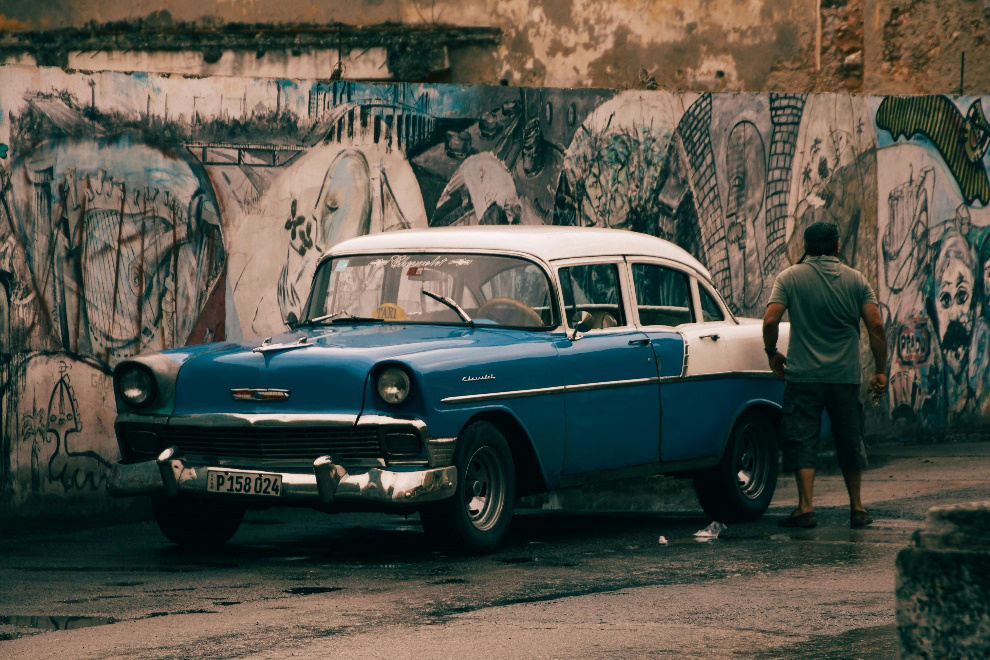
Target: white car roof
pixel 548 242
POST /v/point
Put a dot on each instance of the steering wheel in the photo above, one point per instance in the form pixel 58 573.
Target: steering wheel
pixel 509 311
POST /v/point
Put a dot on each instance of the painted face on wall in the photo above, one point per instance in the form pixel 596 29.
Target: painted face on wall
pixel 343 209
pixel 745 163
pixel 954 301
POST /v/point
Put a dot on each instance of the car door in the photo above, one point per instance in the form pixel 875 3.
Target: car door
pixel 694 399
pixel 611 404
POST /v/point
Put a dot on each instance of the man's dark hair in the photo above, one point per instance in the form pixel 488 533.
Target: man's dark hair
pixel 821 238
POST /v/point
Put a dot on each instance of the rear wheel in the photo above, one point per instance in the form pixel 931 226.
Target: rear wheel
pixel 740 487
pixel 476 518
pixel 194 523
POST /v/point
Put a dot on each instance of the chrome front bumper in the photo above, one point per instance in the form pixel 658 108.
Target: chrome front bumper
pixel 170 475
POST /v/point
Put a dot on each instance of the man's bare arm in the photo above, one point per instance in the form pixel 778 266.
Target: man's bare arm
pixel 771 325
pixel 771 331
pixel 870 314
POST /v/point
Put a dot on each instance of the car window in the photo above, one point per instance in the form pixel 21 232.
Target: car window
pixel 663 295
pixel 490 289
pixel 594 289
pixel 710 310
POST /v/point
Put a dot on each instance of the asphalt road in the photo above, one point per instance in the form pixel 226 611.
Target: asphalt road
pixel 296 583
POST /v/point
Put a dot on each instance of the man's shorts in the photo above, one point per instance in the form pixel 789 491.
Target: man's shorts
pixel 802 418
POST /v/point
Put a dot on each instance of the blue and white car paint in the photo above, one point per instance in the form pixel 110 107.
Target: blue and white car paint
pixel 626 397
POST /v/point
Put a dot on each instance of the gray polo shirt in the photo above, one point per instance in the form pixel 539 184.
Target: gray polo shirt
pixel 824 298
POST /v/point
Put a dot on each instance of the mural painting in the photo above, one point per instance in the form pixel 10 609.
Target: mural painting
pixel 142 212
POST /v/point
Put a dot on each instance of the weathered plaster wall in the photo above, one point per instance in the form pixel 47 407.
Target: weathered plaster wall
pixel 681 44
pixel 140 212
pixel 916 46
pixel 873 46
pixel 730 45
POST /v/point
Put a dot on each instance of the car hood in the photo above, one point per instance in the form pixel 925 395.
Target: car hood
pixel 326 374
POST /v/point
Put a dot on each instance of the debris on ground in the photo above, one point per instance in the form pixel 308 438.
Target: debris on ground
pixel 710 532
pixel 663 540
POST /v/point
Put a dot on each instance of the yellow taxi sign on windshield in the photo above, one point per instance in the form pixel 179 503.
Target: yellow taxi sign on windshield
pixel 389 312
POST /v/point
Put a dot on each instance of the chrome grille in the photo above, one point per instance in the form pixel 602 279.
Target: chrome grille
pixel 285 443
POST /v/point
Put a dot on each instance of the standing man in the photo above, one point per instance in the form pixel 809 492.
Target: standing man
pixel 826 300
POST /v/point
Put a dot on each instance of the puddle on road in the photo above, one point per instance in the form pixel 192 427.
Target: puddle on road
pixel 309 591
pixel 56 622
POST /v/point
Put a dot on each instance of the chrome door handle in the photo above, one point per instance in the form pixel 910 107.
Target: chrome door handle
pixel 639 342
pixel 713 337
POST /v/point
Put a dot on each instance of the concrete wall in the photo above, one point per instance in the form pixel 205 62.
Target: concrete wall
pixel 680 44
pixel 141 212
pixel 873 46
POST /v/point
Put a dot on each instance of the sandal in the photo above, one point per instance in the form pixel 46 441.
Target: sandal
pixel 859 518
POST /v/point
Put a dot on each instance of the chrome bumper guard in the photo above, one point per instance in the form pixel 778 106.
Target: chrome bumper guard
pixel 169 474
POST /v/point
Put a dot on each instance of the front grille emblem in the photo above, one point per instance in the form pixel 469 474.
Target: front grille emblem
pixel 264 394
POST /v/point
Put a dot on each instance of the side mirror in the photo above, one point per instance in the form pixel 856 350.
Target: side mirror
pixel 292 321
pixel 581 322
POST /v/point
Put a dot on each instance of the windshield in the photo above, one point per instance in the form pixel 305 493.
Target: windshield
pixel 488 289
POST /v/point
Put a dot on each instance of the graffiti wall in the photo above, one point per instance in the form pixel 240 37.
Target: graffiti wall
pixel 141 212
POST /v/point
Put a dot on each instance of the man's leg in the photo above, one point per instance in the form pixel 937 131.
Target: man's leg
pixel 846 412
pixel 854 480
pixel 805 485
pixel 800 428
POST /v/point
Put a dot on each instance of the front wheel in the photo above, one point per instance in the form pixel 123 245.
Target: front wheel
pixel 194 523
pixel 476 518
pixel 740 487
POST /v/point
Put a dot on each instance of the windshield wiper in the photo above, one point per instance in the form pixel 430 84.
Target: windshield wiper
pixel 321 319
pixel 351 318
pixel 449 303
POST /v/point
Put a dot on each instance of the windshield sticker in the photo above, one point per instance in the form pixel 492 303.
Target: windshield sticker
pixel 341 266
pixel 408 262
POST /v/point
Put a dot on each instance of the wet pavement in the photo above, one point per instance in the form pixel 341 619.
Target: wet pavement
pixel 567 584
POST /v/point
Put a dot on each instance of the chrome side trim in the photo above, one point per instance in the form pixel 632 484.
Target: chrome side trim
pixel 557 389
pixel 608 384
pixel 509 394
pixel 721 374
pixel 262 419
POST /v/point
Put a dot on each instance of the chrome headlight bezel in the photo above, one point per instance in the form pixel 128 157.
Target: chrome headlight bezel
pixel 136 394
pixel 394 385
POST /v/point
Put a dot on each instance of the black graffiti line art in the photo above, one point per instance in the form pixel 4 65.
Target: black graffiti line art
pixel 961 141
pixel 746 172
pixel 786 111
pixel 905 240
pixel 73 469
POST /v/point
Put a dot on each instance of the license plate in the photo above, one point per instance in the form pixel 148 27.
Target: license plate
pixel 244 483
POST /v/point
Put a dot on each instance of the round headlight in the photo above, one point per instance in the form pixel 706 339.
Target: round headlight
pixel 394 385
pixel 136 386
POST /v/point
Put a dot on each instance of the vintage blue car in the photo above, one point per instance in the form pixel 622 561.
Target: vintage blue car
pixel 447 371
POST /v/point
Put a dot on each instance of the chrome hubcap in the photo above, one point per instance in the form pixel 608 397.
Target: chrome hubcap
pixel 752 466
pixel 484 494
